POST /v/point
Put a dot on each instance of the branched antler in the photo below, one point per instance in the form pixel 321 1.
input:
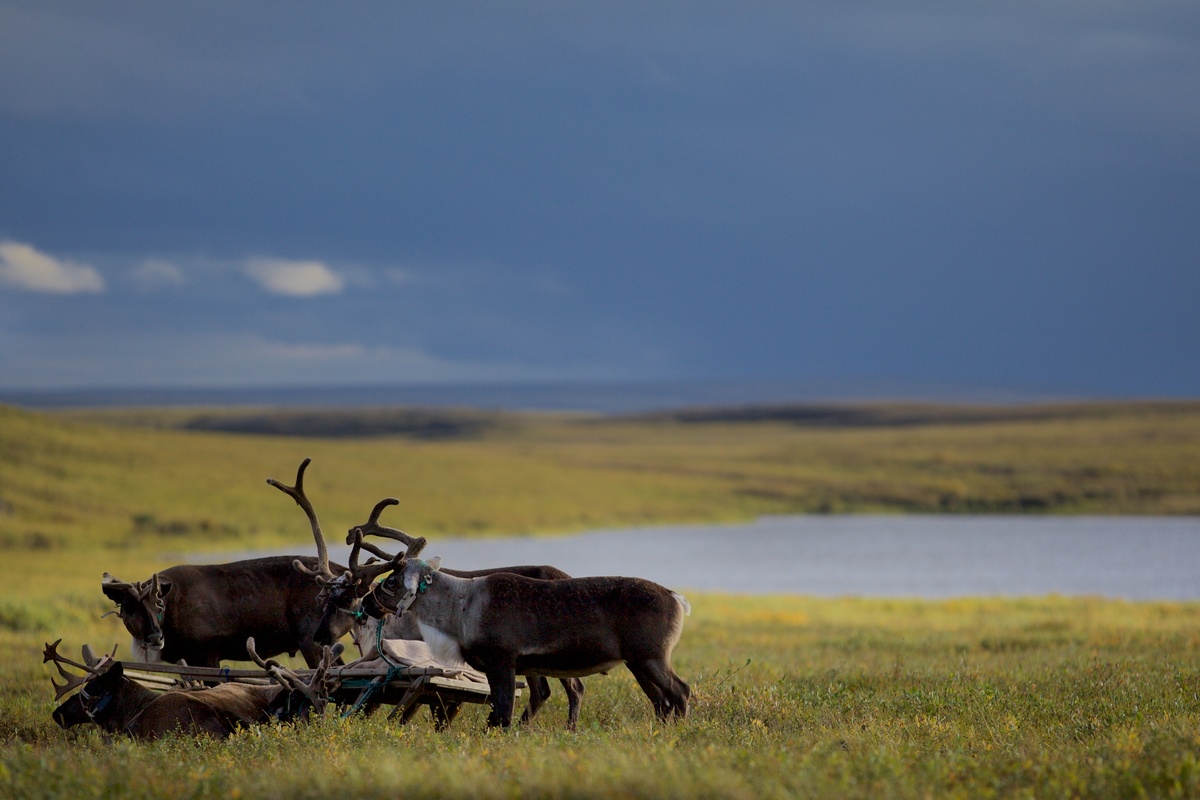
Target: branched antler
pixel 92 665
pixel 363 544
pixel 364 574
pixel 323 574
pixel 319 685
pixel 281 674
pixel 152 590
pixel 324 683
pixel 371 527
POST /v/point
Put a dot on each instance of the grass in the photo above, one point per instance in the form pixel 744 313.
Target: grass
pixel 793 697
pixel 138 480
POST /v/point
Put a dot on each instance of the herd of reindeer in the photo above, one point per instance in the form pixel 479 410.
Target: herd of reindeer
pixel 534 621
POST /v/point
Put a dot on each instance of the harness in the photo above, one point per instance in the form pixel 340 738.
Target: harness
pixel 88 709
pixel 394 671
pixel 93 712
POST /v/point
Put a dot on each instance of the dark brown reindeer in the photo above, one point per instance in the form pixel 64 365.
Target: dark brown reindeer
pixel 117 704
pixel 507 625
pixel 343 592
pixel 203 614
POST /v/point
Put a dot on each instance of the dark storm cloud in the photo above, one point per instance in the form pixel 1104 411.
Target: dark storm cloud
pixel 986 193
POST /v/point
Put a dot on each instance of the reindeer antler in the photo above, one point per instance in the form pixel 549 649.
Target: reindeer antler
pixel 317 688
pixel 371 527
pixel 323 574
pixel 368 572
pixel 323 683
pixel 152 589
pixel 280 673
pixel 92 666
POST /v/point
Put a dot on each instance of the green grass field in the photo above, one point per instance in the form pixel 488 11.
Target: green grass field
pixel 792 696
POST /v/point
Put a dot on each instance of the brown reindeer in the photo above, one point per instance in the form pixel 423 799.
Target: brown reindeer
pixel 116 704
pixel 204 613
pixel 504 625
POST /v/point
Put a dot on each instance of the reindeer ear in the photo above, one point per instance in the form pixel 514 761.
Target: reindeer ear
pixel 164 585
pixel 115 589
pixel 434 563
pixel 111 675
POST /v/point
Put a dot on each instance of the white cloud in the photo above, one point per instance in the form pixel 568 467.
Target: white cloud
pixel 153 273
pixel 25 267
pixel 400 276
pixel 294 278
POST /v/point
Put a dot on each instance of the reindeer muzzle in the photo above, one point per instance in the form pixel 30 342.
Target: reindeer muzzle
pixel 373 608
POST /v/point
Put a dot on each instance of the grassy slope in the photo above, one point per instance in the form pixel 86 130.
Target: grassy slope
pixel 79 482
pixel 852 698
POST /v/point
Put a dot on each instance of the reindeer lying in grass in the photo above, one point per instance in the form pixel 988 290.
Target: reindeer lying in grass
pixel 505 625
pixel 116 704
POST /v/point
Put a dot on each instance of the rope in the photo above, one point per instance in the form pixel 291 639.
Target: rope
pixel 379 646
pixel 374 686
pixel 394 671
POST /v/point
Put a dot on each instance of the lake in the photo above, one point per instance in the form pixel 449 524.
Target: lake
pixel 878 556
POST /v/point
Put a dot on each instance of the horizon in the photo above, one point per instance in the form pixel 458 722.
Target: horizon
pixel 606 397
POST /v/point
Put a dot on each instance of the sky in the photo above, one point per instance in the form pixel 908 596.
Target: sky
pixel 258 193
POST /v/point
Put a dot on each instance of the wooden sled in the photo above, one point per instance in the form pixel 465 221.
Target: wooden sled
pixel 404 688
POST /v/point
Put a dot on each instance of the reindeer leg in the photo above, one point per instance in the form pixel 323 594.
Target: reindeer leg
pixel 503 684
pixel 206 660
pixel 539 693
pixel 574 689
pixel 666 690
pixel 312 654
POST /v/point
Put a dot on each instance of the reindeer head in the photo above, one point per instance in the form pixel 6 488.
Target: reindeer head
pixel 300 697
pixel 395 593
pixel 141 606
pixel 341 595
pixel 96 688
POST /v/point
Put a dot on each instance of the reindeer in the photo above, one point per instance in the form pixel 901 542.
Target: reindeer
pixel 342 592
pixel 204 613
pixel 119 705
pixel 504 625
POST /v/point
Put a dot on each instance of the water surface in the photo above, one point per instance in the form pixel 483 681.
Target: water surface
pixel 877 556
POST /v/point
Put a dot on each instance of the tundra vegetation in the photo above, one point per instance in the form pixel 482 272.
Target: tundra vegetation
pixel 790 696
